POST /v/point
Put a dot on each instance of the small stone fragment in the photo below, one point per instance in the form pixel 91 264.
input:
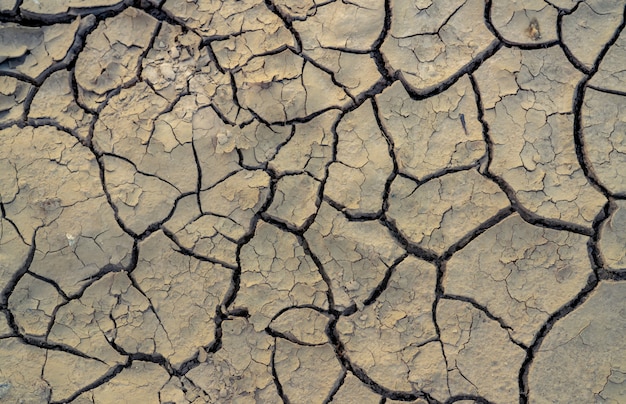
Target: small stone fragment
pixel 4 389
pixel 533 30
pixel 525 22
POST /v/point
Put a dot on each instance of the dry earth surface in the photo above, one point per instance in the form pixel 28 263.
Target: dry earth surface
pixel 303 201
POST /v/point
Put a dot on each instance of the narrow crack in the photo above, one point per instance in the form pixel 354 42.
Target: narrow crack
pixel 279 160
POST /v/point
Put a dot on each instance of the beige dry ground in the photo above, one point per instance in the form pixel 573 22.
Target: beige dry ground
pixel 303 201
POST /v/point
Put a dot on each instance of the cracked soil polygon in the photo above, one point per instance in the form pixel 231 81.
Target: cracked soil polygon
pixel 285 201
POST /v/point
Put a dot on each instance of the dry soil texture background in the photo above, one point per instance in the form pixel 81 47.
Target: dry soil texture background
pixel 366 201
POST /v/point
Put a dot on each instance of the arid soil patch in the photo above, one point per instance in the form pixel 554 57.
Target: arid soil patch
pixel 302 201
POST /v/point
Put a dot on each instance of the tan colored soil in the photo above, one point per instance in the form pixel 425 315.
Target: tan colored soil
pixel 306 201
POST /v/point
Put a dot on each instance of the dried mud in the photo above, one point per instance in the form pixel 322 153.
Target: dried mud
pixel 302 201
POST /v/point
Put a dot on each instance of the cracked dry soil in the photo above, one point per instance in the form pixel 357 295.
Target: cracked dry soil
pixel 302 201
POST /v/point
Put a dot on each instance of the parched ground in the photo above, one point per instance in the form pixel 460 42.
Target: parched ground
pixel 303 201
